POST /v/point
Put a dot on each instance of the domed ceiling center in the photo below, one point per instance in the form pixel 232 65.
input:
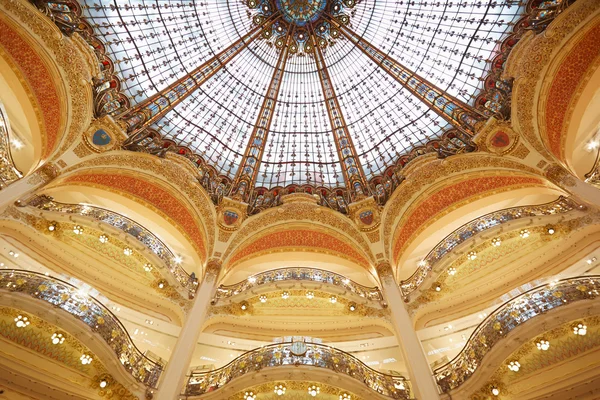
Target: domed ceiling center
pixel 301 12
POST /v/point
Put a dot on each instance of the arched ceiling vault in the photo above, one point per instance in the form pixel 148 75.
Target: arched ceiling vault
pixel 550 78
pixel 433 198
pixel 165 186
pixel 53 72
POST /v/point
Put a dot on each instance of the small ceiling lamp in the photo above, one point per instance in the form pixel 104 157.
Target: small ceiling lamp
pixel 147 267
pixel 279 389
pixel 543 345
pixel 496 242
pixel 550 229
pixel 314 390
pixel 310 295
pixel 285 295
pixel 22 321
pixel 249 396
pixel 244 305
pixel 104 381
pixel 333 299
pixel 77 229
pixel 263 298
pixel 495 391
pixel 252 279
pixel 178 259
pixel 580 329
pixel 162 284
pixel 437 287
pixel 127 251
pixel 452 271
pixel 352 306
pixel 524 233
pixel 103 239
pixel 85 359
pixel 399 385
pixel 345 396
pixel 58 338
pixel 52 226
pixel 472 255
pixel 514 366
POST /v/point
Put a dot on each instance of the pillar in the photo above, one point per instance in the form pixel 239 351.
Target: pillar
pixel 420 374
pixel 174 375
pixel 24 187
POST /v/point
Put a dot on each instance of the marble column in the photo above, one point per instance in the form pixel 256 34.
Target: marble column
pixel 420 373
pixel 174 376
pixel 24 187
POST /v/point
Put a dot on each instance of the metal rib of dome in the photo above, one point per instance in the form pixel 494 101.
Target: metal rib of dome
pixel 216 113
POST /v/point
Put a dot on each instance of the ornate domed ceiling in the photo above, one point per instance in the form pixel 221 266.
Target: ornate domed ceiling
pixel 326 92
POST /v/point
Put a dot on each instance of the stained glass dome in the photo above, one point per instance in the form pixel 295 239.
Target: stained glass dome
pixel 325 92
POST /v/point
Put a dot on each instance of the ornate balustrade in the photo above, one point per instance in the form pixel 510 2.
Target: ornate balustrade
pixel 298 274
pixel 91 312
pixel 8 172
pixel 297 354
pixel 477 226
pixel 506 318
pixel 593 177
pixel 127 225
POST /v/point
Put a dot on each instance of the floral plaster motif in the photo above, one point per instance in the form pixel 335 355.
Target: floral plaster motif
pixel 152 194
pixel 444 198
pixel 564 88
pixel 298 239
pixel 39 81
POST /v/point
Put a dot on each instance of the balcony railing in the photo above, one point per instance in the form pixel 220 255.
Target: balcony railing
pixel 477 226
pixel 298 274
pixel 507 317
pixel 297 354
pixel 88 310
pixel 127 225
pixel 8 172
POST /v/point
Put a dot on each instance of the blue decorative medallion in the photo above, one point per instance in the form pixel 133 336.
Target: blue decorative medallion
pixel 301 12
pixel 101 138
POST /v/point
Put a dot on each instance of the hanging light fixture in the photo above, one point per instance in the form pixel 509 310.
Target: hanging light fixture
pixel 58 338
pixel 285 295
pixel 86 359
pixel 580 329
pixel 543 345
pixel 345 396
pixel 472 255
pixel 496 242
pixel 524 233
pixel 314 390
pixel 263 298
pixel 21 321
pixel 103 239
pixel 333 299
pixel 249 396
pixel 279 389
pixel 77 229
pixel 451 271
pixel 514 366
pixel 127 251
pixel 310 295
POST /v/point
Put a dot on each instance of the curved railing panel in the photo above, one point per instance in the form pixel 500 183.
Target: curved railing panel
pixel 296 354
pixel 127 225
pixel 476 226
pixel 90 311
pixel 507 317
pixel 298 274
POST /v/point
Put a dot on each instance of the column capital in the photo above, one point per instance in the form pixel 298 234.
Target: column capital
pixel 385 271
pixel 213 268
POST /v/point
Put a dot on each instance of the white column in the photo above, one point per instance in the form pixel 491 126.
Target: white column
pixel 420 374
pixel 25 186
pixel 173 378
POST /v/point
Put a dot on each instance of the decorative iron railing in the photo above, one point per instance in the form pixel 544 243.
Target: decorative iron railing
pixel 479 225
pixel 298 274
pixel 593 177
pixel 506 318
pixel 91 312
pixel 127 225
pixel 8 172
pixel 297 354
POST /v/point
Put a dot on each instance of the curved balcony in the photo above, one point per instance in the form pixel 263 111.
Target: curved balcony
pixel 298 274
pixel 91 312
pixel 506 318
pixel 8 172
pixel 294 354
pixel 127 225
pixel 477 226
